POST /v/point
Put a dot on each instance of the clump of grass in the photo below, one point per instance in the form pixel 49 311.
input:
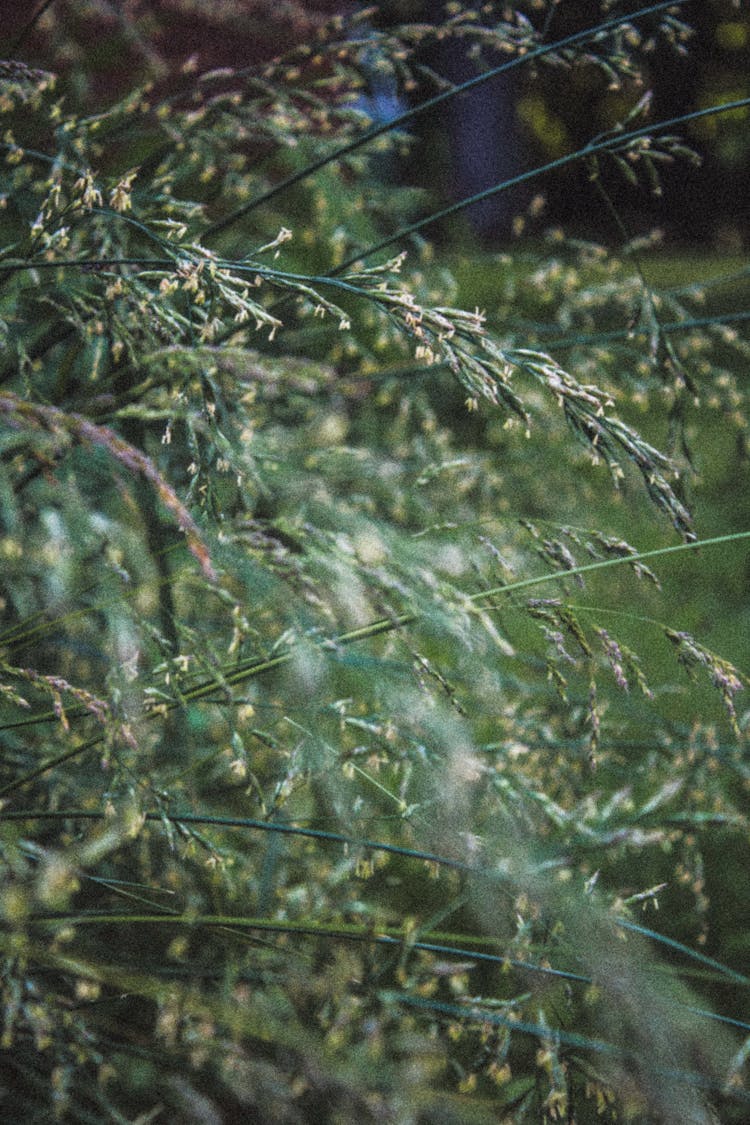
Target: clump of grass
pixel 326 790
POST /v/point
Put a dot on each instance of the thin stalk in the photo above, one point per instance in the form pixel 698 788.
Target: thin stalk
pixel 249 670
pixel 481 1015
pixel 350 931
pixel 616 140
pixel 602 564
pixel 693 954
pixel 431 103
pixel 273 826
pixel 388 936
pixel 50 763
pixel 595 339
pixel 347 931
pixel 721 279
pixel 280 277
pixel 90 263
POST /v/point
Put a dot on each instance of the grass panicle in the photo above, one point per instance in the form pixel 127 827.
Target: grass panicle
pixel 368 753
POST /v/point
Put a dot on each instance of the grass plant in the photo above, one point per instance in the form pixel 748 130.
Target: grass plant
pixel 371 636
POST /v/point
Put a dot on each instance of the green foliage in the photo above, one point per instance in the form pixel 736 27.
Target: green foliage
pixel 349 741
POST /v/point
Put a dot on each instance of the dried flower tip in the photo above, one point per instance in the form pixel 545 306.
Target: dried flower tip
pixel 284 235
pixel 120 196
